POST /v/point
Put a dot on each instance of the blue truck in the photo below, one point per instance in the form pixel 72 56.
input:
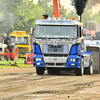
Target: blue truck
pixel 59 45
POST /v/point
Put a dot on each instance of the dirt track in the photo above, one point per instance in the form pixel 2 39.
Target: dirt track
pixel 24 84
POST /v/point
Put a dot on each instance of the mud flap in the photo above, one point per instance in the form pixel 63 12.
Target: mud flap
pixel 88 69
pixel 96 58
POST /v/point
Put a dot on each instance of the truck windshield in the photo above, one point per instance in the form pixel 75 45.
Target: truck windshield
pixel 56 31
pixel 20 40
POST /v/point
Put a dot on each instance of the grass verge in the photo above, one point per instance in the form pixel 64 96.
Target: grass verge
pixel 20 63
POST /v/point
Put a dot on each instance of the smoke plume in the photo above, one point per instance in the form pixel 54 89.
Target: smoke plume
pixel 7 19
pixel 80 5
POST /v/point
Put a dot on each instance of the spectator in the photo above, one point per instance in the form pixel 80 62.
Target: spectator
pixel 10 52
pixel 6 39
pixel 31 49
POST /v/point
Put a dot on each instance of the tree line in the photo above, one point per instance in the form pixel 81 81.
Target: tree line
pixel 22 14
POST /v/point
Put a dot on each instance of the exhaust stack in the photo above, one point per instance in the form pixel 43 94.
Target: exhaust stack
pixel 79 18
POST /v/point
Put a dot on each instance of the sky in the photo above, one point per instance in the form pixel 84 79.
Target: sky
pixel 64 3
pixel 67 4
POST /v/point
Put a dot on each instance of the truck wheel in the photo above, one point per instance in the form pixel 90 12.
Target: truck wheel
pixel 25 61
pixel 80 71
pixel 89 70
pixel 40 70
pixel 7 57
pixel 0 56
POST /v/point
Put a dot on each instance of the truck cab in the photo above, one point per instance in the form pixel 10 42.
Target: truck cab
pixel 22 40
pixel 58 44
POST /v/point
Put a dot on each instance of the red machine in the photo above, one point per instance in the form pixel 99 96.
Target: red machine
pixel 29 59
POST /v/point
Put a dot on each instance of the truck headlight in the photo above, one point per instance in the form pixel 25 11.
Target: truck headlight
pixel 39 59
pixel 26 53
pixel 38 64
pixel 73 60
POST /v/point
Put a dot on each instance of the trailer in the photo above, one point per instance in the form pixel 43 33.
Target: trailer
pixel 93 44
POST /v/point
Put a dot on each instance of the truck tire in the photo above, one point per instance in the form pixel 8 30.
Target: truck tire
pixel 0 56
pixel 80 71
pixel 89 70
pixel 15 52
pixel 25 61
pixel 40 70
pixel 7 57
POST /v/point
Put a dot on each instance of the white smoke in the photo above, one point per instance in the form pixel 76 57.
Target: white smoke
pixel 6 19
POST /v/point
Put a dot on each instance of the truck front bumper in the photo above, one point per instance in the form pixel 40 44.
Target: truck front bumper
pixel 71 61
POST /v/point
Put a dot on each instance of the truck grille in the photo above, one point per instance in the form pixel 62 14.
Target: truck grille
pixel 55 64
pixel 52 64
pixel 55 55
pixel 22 49
pixel 49 48
pixel 23 53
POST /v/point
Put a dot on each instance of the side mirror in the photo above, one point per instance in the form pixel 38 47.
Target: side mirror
pixel 32 31
pixel 84 32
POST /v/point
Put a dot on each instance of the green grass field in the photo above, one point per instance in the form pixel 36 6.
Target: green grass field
pixel 20 63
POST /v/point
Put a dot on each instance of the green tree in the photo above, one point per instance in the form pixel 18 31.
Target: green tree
pixel 18 15
pixel 47 6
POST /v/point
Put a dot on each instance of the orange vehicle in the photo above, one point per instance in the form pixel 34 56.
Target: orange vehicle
pixel 57 8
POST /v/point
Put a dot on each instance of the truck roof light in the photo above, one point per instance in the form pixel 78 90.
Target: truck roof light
pixel 58 18
pixel 63 18
pixel 73 18
pixel 42 17
pixel 49 18
pixel 54 18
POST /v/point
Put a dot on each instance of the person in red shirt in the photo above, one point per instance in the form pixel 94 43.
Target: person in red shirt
pixel 10 52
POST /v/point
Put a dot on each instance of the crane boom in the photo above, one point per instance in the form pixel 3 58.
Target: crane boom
pixel 57 8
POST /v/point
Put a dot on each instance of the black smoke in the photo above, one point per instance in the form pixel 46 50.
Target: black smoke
pixel 80 5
